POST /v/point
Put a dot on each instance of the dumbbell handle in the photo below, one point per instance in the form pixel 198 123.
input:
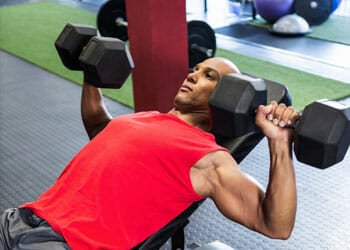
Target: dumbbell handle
pixel 208 52
pixel 120 21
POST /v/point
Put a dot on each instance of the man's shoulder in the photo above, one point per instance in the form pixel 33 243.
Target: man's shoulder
pixel 215 159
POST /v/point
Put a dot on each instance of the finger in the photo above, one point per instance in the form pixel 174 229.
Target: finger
pixel 278 114
pixel 273 105
pixel 291 116
pixel 265 110
pixel 294 117
pixel 287 117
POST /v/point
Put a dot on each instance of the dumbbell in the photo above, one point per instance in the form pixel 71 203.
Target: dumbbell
pixel 233 104
pixel 106 61
pixel 196 29
pixel 112 22
pixel 322 134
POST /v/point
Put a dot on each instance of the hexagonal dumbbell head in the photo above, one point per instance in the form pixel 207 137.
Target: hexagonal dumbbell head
pixel 323 134
pixel 71 42
pixel 233 104
pixel 107 62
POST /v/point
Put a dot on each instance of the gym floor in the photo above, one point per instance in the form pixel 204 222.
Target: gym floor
pixel 38 138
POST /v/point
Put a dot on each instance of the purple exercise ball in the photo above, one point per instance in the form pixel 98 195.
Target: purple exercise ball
pixel 272 10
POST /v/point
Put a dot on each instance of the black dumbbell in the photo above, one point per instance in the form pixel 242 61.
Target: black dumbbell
pixel 322 135
pixel 71 41
pixel 112 22
pixel 106 62
pixel 233 104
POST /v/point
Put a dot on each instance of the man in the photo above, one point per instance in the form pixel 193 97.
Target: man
pixel 141 170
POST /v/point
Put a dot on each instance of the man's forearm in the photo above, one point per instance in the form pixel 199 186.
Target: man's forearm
pixel 94 113
pixel 280 201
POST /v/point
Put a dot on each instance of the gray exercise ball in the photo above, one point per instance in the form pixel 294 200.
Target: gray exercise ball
pixel 291 25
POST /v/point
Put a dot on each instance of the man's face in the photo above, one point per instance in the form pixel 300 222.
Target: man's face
pixel 194 93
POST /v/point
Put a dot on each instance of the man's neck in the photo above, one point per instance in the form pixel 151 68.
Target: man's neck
pixel 196 119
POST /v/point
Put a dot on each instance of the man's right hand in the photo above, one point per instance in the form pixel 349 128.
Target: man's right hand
pixel 276 121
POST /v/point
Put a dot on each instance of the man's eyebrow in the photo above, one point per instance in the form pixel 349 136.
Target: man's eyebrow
pixel 199 65
pixel 214 70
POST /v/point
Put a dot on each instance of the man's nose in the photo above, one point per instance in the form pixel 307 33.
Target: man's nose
pixel 192 77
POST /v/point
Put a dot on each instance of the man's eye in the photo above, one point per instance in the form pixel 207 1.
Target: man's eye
pixel 209 76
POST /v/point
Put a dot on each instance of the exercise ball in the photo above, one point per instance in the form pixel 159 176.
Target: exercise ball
pixel 290 25
pixel 271 10
pixel 335 4
pixel 315 12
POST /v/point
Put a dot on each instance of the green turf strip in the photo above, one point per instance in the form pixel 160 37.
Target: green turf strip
pixel 304 87
pixel 334 29
pixel 30 30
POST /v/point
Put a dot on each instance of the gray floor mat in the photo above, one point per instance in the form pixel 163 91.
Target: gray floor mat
pixel 40 130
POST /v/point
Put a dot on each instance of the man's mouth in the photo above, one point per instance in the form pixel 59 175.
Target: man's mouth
pixel 185 88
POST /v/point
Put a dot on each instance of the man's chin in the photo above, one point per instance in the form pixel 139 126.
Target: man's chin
pixel 182 105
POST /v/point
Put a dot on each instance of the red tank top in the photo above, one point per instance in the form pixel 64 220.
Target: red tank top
pixel 127 183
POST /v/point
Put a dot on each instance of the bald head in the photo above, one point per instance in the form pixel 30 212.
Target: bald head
pixel 222 65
